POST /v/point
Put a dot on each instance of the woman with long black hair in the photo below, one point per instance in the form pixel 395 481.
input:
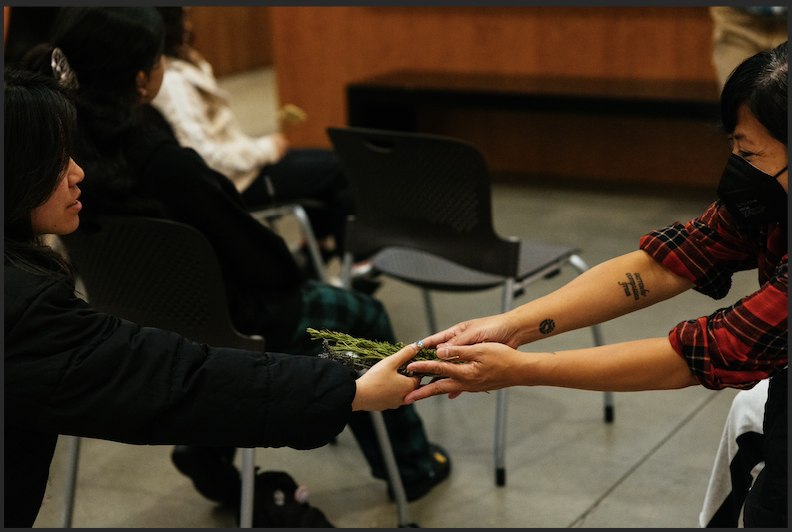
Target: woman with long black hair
pixel 72 370
pixel 111 60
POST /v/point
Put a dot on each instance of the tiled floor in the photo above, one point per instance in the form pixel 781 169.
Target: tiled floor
pixel 565 466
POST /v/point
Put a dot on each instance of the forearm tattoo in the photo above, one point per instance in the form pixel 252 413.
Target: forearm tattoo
pixel 634 286
pixel 547 326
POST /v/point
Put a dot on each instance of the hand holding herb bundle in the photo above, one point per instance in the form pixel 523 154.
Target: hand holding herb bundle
pixel 361 354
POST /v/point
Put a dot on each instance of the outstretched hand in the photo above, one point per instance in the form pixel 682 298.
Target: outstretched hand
pixel 491 329
pixel 489 366
pixel 382 387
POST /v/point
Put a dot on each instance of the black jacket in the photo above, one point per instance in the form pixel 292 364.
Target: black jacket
pixel 72 370
pixel 262 279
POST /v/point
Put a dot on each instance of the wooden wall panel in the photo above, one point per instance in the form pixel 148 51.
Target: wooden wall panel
pixel 602 148
pixel 6 18
pixel 319 50
pixel 233 39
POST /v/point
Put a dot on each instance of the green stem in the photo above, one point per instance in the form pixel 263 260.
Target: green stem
pixel 360 353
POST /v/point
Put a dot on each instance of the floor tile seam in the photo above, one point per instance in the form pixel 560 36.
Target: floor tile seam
pixel 578 522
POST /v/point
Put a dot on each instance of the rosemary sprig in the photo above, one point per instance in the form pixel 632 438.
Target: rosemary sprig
pixel 360 354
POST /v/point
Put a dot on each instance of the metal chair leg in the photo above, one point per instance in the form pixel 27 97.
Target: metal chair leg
pixel 248 484
pixel 248 487
pixel 596 332
pixel 313 246
pixel 608 406
pixel 71 481
pixel 381 431
pixel 500 403
pixel 393 471
pixel 430 314
pixel 270 215
pixel 500 437
pixel 346 270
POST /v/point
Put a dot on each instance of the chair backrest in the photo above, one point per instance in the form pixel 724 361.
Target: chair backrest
pixel 156 273
pixel 424 192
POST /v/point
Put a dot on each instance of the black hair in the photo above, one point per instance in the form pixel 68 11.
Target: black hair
pixel 40 130
pixel 178 41
pixel 761 83
pixel 106 48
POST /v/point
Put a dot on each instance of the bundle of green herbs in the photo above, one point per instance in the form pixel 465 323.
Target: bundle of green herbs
pixel 361 354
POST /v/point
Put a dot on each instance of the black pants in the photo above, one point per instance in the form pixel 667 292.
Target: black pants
pixel 307 173
pixel 328 307
pixel 766 503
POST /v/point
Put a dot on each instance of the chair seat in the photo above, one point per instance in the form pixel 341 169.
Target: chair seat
pixel 539 259
pixel 433 272
pixel 424 216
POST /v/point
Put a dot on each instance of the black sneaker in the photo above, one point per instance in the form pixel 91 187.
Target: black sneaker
pixel 441 467
pixel 212 472
pixel 279 502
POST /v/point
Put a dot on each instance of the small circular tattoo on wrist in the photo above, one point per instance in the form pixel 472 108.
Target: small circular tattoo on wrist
pixel 547 326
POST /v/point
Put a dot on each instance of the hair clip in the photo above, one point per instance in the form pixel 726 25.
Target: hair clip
pixel 62 71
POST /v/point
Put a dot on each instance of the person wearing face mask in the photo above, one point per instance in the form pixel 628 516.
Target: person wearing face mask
pixel 737 346
pixel 740 455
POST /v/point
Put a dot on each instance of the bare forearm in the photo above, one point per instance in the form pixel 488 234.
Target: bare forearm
pixel 611 289
pixel 650 364
pixel 632 366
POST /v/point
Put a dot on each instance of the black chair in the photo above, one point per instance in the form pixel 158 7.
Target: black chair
pixel 424 216
pixel 160 274
pixel 165 274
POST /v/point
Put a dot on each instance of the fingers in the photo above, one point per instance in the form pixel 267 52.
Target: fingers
pixel 445 386
pixel 404 355
pixel 444 369
pixel 441 337
pixel 436 368
pixel 382 387
pixel 459 352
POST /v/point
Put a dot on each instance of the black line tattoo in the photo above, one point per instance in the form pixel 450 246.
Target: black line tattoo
pixel 636 285
pixel 547 326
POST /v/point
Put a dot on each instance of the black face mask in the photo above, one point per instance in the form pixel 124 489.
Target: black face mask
pixel 752 197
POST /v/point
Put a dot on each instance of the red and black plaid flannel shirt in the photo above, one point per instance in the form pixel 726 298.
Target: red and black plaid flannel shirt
pixel 742 344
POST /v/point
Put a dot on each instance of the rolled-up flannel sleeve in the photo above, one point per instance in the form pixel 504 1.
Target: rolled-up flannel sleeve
pixel 735 346
pixel 740 345
pixel 705 250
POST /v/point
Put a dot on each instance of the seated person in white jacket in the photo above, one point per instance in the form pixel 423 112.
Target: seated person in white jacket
pixel 263 169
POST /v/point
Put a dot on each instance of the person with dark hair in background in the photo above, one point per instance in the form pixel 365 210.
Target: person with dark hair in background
pixel 111 60
pixel 737 346
pixel 263 169
pixel 72 370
